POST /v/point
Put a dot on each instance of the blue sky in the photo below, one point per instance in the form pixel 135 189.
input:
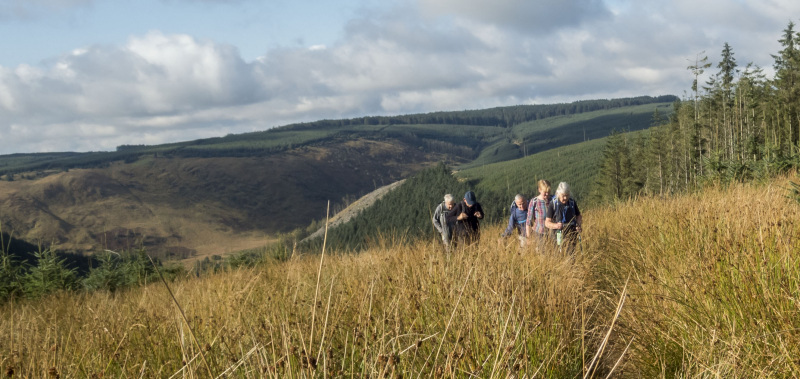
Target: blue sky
pixel 89 75
pixel 52 27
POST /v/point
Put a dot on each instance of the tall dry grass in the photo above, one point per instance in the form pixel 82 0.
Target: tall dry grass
pixel 714 285
pixel 395 311
pixel 704 285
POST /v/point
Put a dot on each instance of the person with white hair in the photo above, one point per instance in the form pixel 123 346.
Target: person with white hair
pixel 440 220
pixel 564 217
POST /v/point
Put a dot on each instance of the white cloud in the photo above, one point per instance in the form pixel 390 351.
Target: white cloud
pixel 418 57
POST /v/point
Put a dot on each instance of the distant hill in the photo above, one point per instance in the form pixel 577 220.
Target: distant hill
pixel 218 195
pixel 185 207
pixel 453 133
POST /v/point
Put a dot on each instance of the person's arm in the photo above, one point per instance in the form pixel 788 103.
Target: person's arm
pixel 578 218
pixel 510 226
pixel 548 220
pixel 437 223
pixel 453 214
pixel 479 211
pixel 531 206
pixel 531 215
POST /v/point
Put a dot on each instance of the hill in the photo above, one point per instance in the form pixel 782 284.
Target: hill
pixel 404 215
pixel 655 292
pixel 218 195
pixel 184 207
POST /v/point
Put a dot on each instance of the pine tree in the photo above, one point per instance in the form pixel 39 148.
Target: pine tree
pixel 50 274
pixel 697 69
pixel 615 178
pixel 727 72
pixel 787 81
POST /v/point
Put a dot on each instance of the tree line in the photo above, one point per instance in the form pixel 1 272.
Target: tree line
pixel 498 116
pixel 738 124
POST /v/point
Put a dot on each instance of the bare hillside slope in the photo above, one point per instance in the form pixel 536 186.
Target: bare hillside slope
pixel 183 207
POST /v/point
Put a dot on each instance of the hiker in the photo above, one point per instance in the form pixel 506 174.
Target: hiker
pixel 440 220
pixel 538 233
pixel 517 220
pixel 564 217
pixel 465 216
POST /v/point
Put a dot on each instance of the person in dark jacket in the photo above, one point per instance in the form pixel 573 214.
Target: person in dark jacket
pixel 465 216
pixel 564 217
pixel 517 219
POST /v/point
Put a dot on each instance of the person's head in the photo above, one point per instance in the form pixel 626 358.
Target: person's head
pixel 544 187
pixel 520 201
pixel 469 198
pixel 562 192
pixel 449 201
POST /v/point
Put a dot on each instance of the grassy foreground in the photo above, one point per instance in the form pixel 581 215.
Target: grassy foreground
pixel 709 286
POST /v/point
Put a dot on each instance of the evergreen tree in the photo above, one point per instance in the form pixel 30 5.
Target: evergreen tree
pixel 109 275
pixel 50 274
pixel 11 274
pixel 727 72
pixel 615 179
pixel 787 82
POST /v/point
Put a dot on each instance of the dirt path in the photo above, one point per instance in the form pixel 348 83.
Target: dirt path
pixel 355 208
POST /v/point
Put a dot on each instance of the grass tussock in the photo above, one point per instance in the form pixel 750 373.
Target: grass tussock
pixel 399 311
pixel 714 282
pixel 694 286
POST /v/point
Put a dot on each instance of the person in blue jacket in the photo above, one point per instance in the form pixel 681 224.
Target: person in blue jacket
pixel 518 216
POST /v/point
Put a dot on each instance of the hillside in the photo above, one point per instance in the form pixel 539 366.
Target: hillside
pixel 405 214
pixel 218 195
pixel 185 207
pixel 654 292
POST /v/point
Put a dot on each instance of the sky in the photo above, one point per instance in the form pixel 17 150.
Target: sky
pixel 90 75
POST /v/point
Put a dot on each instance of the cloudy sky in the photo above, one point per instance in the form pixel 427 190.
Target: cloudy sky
pixel 89 75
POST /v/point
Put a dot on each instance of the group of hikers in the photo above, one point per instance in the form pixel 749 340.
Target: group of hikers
pixel 543 222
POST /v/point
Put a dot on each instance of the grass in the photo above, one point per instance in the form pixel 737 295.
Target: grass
pixel 402 309
pixel 714 281
pixel 702 285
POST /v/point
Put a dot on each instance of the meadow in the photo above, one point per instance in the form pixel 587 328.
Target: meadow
pixel 699 285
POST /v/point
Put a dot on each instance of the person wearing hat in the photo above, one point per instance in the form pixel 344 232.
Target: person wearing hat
pixel 465 216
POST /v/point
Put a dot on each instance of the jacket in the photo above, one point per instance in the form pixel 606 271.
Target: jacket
pixel 468 226
pixel 517 220
pixel 440 221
